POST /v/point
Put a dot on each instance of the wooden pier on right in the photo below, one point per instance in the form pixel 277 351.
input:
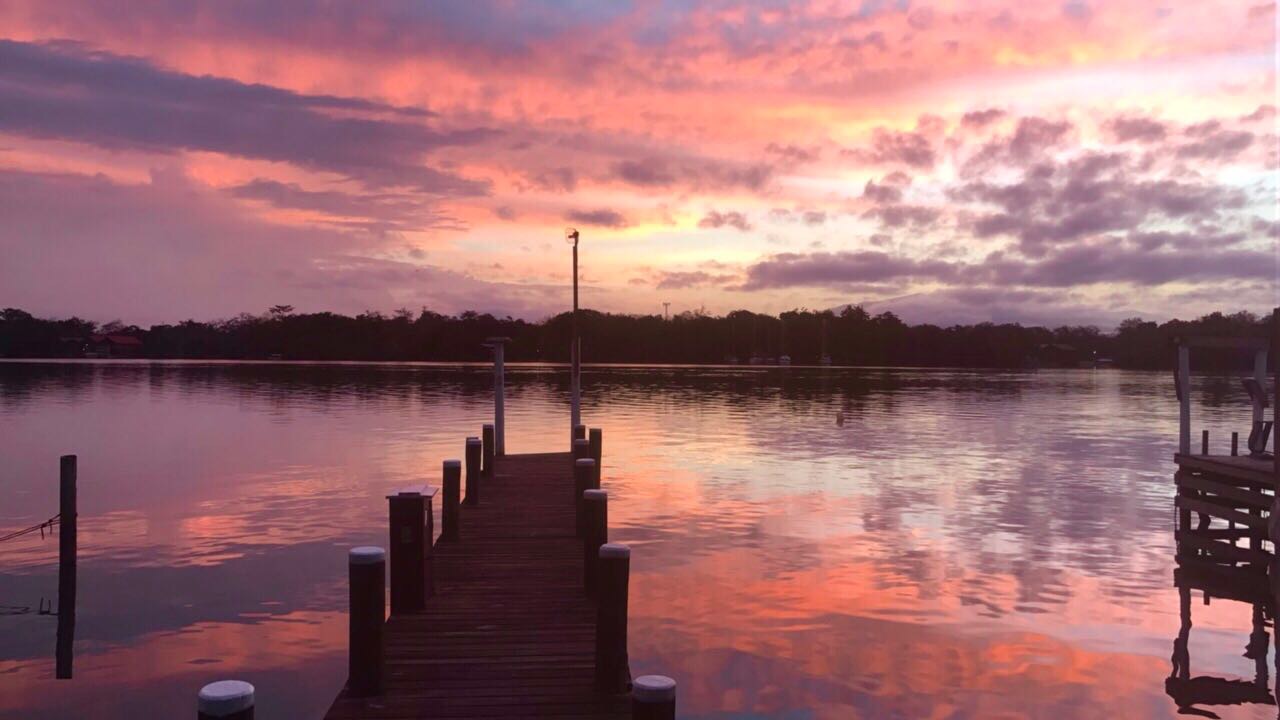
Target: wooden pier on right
pixel 1225 548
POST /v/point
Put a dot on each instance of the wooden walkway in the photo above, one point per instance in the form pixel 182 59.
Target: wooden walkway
pixel 509 632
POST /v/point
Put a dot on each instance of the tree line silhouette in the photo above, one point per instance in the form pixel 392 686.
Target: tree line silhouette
pixel 850 337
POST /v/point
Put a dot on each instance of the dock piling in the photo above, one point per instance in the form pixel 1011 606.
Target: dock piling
pixel 1204 442
pixel 595 441
pixel 486 439
pixel 225 700
pixel 449 508
pixel 584 469
pixel 612 672
pixel 66 631
pixel 653 697
pixel 1235 444
pixel 473 470
pixel 367 567
pixel 596 513
pixel 409 550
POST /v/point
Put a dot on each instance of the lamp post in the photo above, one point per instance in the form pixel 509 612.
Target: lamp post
pixel 575 346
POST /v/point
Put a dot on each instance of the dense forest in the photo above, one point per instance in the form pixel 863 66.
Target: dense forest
pixel 851 337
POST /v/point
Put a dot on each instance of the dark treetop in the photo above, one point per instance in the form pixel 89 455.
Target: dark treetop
pixel 851 337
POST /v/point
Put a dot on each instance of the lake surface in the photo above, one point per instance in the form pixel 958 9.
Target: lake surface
pixel 968 544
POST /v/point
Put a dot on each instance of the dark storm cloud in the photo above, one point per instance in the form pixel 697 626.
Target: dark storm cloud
pixel 65 91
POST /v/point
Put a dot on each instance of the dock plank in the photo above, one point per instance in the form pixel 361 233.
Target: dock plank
pixel 509 633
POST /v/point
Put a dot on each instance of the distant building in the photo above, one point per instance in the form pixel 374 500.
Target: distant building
pixel 114 345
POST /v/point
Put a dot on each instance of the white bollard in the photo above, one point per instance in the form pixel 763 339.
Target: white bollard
pixel 225 700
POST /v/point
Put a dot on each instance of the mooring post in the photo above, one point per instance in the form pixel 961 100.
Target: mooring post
pixel 595 440
pixel 486 437
pixel 1204 442
pixel 579 433
pixel 579 450
pixel 66 631
pixel 367 568
pixel 613 675
pixel 596 512
pixel 473 470
pixel 449 508
pixel 653 697
pixel 1235 444
pixel 584 469
pixel 225 700
pixel 409 557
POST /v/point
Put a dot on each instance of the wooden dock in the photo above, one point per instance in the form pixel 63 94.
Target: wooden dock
pixel 1224 506
pixel 509 632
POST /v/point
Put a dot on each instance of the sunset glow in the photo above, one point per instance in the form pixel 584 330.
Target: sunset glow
pixel 954 162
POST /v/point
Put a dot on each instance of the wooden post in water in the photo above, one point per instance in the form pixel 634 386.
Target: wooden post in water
pixel 584 469
pixel 66 631
pixel 1235 444
pixel 486 436
pixel 1204 442
pixel 613 674
pixel 1184 399
pixel 452 492
pixel 473 470
pixel 596 512
pixel 653 697
pixel 367 568
pixel 409 558
pixel 596 442
pixel 225 700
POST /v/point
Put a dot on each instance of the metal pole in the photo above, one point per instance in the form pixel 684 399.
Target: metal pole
pixel 575 349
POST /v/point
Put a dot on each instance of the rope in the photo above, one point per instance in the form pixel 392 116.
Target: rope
pixel 27 531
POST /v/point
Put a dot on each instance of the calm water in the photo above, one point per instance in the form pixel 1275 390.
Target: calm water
pixel 968 544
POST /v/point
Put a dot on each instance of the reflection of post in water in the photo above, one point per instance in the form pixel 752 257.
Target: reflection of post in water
pixel 66 567
pixel 1188 691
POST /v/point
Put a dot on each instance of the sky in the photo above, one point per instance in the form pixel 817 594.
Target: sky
pixel 1039 162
